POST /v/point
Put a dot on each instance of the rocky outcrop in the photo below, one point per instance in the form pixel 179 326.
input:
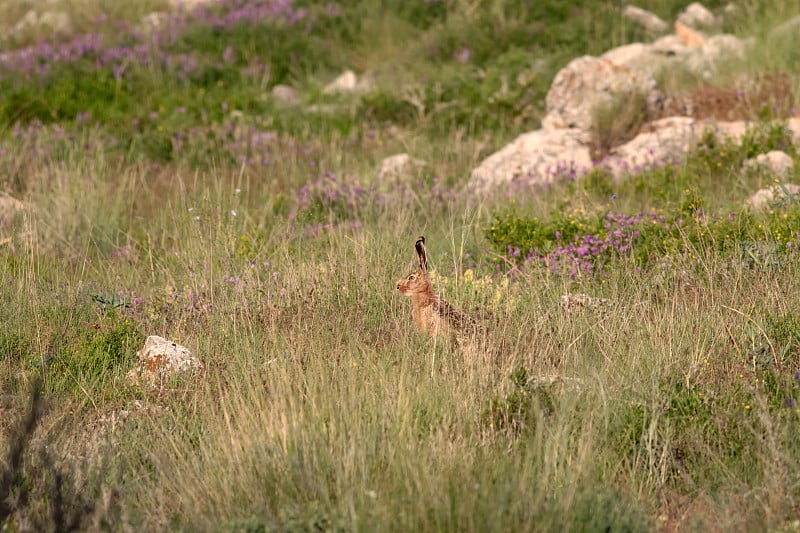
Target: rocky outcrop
pixel 542 155
pixel 625 74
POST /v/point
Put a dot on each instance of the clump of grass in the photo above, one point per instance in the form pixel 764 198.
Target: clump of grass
pixel 37 492
pixel 528 402
pixel 616 122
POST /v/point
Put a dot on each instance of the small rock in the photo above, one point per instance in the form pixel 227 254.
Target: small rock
pixel 575 301
pixel 284 94
pixel 347 82
pixel 152 21
pixel 649 21
pixel 764 197
pixel 323 109
pixel 697 16
pixel 687 36
pixel 777 162
pixel 397 165
pixel 160 359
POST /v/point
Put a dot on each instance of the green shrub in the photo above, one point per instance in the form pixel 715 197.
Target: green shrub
pixel 521 408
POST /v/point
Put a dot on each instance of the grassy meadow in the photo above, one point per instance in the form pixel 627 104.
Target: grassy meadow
pixel 168 192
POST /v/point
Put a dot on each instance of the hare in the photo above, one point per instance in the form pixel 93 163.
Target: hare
pixel 432 315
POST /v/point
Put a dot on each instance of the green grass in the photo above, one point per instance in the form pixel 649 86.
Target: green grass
pixel 257 235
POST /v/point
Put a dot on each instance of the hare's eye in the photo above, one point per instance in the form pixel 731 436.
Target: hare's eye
pixel 412 277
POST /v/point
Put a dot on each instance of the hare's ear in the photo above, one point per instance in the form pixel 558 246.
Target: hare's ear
pixel 423 257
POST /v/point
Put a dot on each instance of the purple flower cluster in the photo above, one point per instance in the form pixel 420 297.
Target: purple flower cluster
pixel 586 254
pixel 227 13
pixel 137 46
pixel 128 253
pixel 561 171
pixel 246 144
pixel 331 193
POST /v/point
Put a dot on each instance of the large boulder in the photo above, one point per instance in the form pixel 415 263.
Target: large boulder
pixel 664 142
pixel 535 157
pixel 588 82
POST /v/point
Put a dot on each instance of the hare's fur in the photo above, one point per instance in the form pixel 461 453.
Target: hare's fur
pixel 432 315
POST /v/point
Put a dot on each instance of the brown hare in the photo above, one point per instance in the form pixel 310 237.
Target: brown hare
pixel 432 315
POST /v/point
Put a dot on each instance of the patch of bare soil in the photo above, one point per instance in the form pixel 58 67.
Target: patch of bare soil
pixel 751 98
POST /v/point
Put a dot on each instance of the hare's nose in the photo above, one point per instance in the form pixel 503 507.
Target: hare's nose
pixel 398 286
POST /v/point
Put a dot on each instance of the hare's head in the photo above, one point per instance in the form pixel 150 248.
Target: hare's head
pixel 417 282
